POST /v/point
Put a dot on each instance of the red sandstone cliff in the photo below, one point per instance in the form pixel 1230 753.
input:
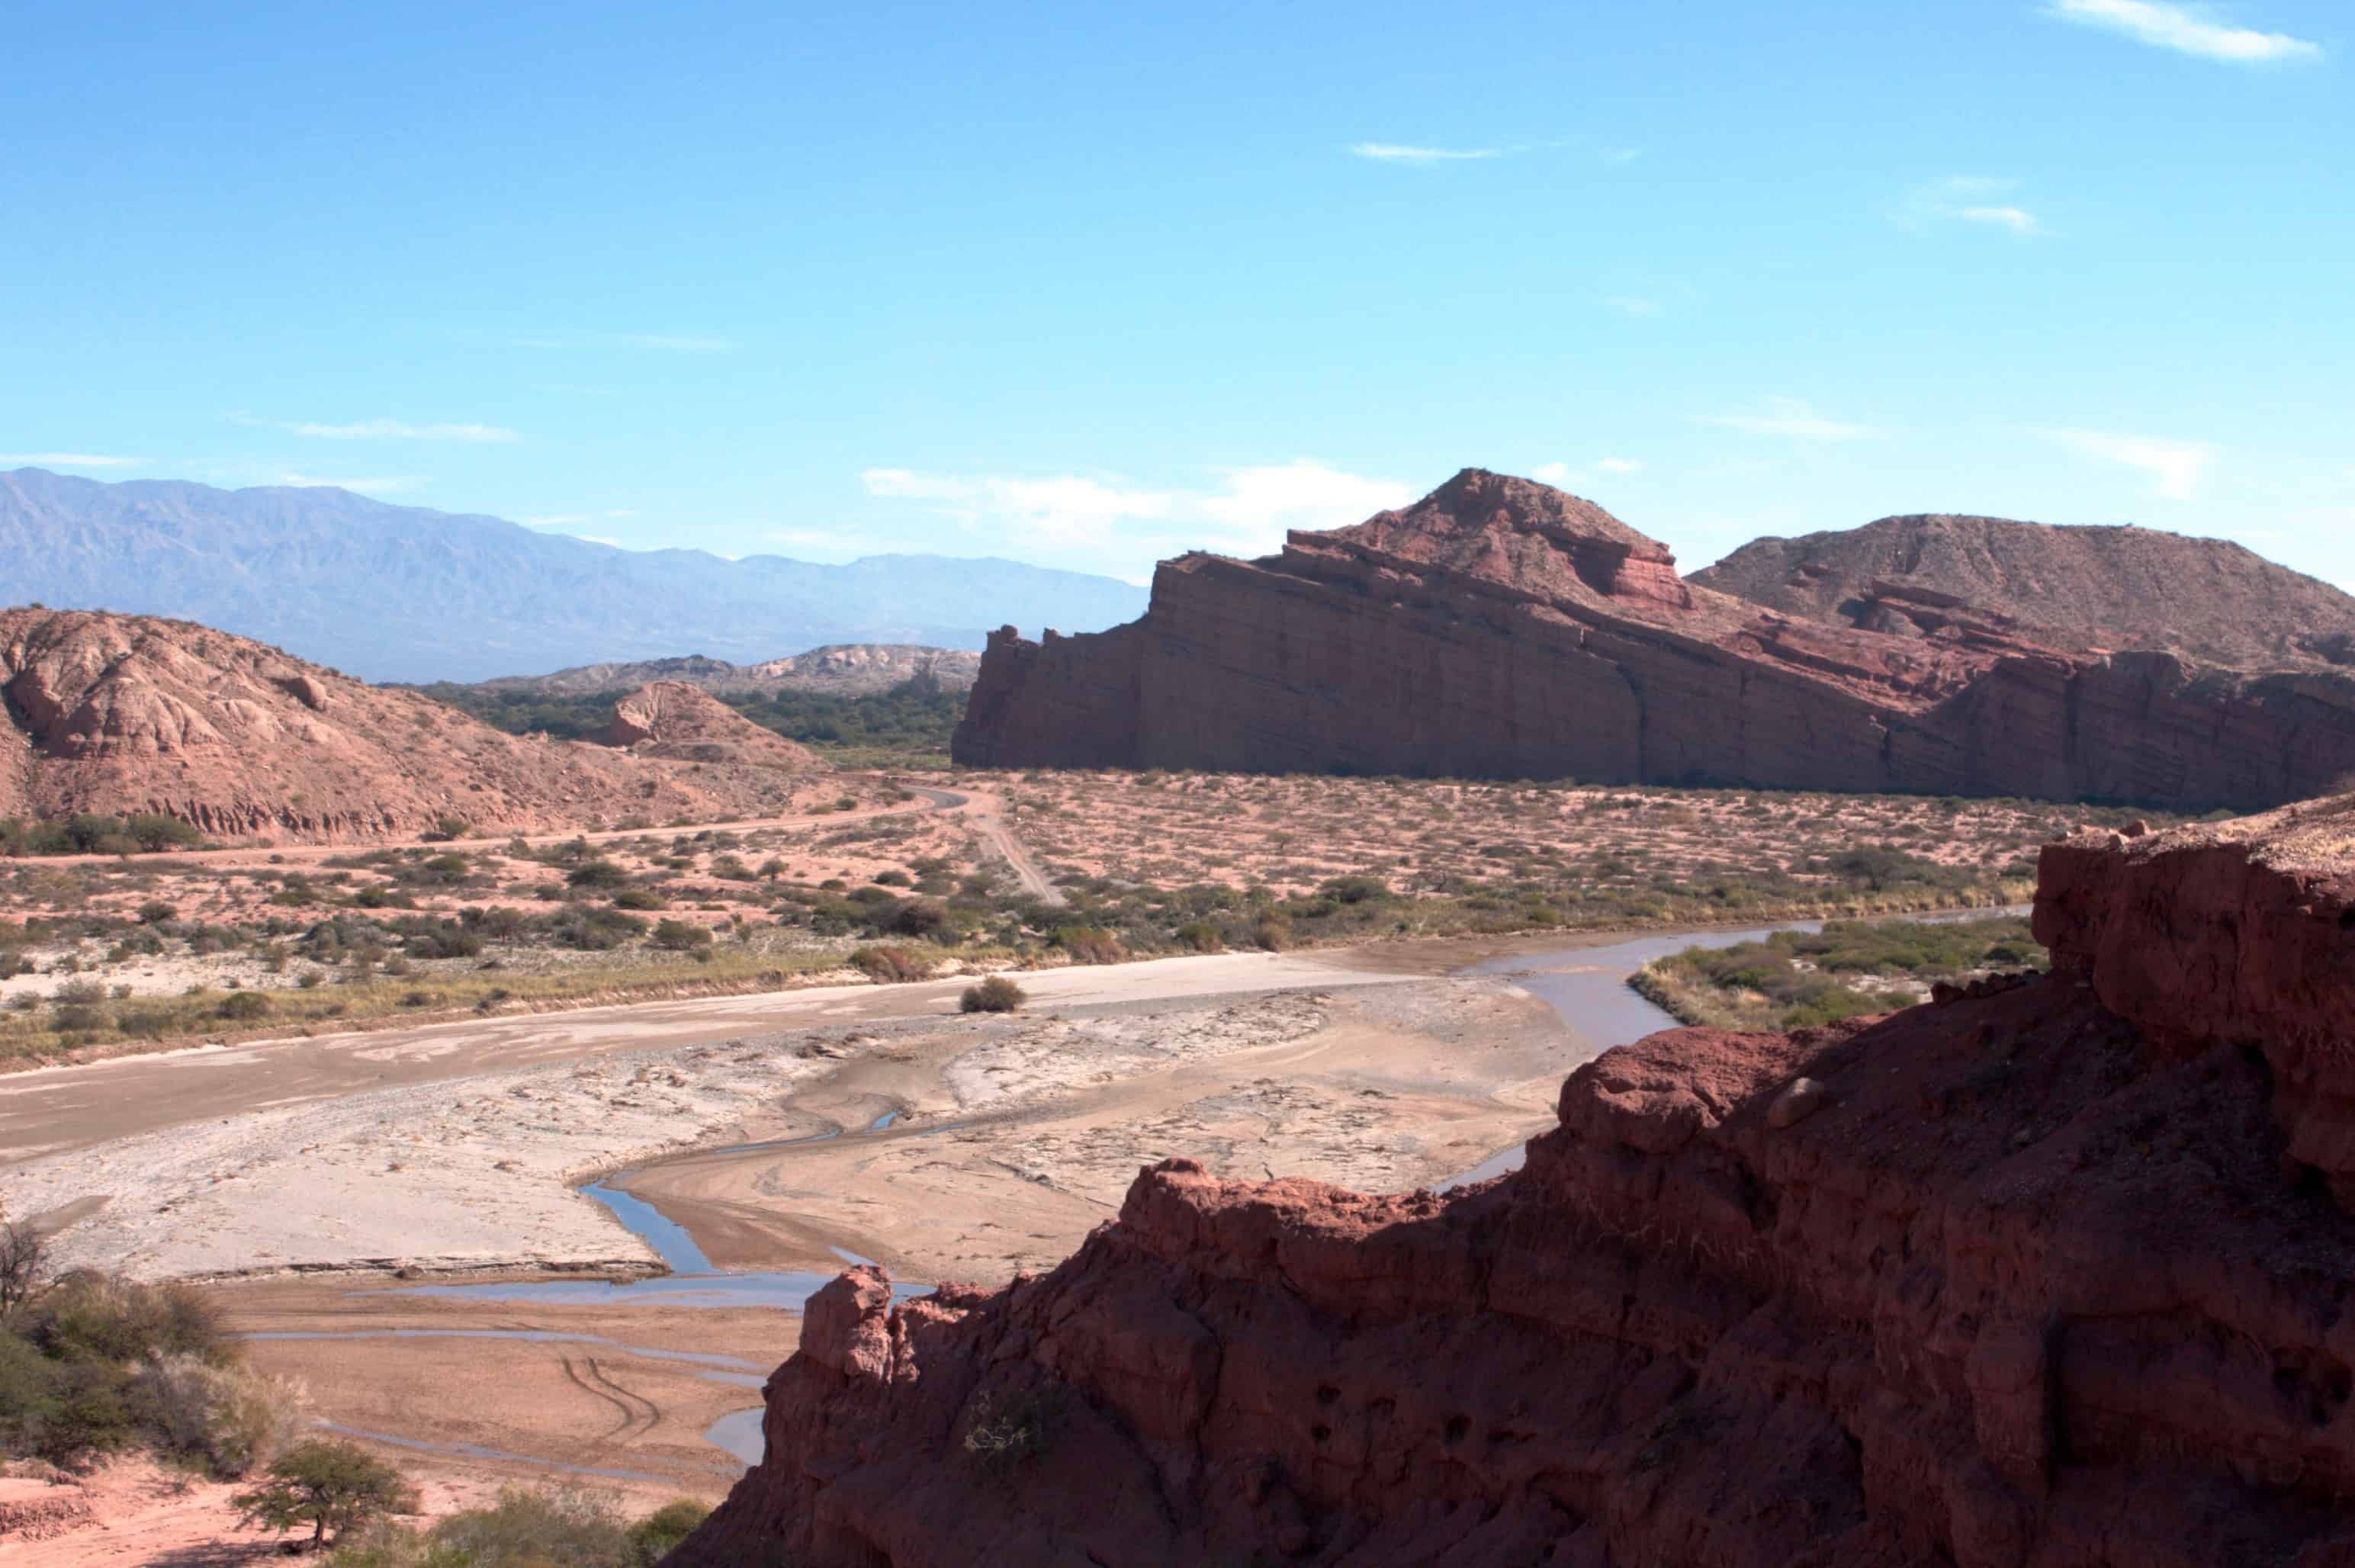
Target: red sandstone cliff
pixel 2045 1275
pixel 134 713
pixel 1501 628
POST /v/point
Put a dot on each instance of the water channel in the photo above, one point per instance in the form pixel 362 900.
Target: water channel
pixel 1587 986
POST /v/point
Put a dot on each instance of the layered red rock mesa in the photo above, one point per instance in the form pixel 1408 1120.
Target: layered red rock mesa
pixel 1501 628
pixel 135 713
pixel 2012 1281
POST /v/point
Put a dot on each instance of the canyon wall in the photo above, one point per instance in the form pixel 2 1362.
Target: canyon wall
pixel 1502 629
pixel 2048 1274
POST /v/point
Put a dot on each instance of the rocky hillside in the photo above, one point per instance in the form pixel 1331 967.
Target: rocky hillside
pixel 845 669
pixel 671 718
pixel 2048 1274
pixel 2082 589
pixel 1502 629
pixel 406 593
pixel 126 713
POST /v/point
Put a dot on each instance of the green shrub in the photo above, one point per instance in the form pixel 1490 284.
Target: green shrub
pixel 652 1537
pixel 597 874
pixel 640 898
pixel 1202 936
pixel 996 995
pixel 1090 945
pixel 244 1006
pixel 91 1316
pixel 681 936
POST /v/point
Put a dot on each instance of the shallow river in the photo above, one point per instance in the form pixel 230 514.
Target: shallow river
pixel 1586 985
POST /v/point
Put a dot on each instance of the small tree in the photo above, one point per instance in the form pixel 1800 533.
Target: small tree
pixel 332 1486
pixel 24 1263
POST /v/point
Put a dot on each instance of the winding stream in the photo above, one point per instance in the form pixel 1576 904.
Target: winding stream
pixel 1587 986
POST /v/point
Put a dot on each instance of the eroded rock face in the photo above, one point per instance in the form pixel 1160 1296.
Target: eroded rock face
pixel 2035 1281
pixel 121 714
pixel 1500 628
pixel 672 718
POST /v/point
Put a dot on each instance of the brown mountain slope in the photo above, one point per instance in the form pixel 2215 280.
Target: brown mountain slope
pixel 2051 1273
pixel 1502 629
pixel 132 713
pixel 672 718
pixel 2078 588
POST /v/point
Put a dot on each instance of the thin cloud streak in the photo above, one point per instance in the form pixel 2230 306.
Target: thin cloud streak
pixel 2185 30
pixel 1248 513
pixel 1791 418
pixel 399 429
pixel 70 460
pixel 2176 466
pixel 1966 198
pixel 1394 153
pixel 380 486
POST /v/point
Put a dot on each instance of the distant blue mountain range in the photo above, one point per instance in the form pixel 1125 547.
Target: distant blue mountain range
pixel 403 593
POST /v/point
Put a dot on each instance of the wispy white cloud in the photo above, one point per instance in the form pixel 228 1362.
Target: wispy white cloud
pixel 1620 156
pixel 1247 512
pixel 554 520
pixel 1061 509
pixel 1258 505
pixel 1561 474
pixel 400 430
pixel 681 342
pixel 70 460
pixel 670 342
pixel 378 486
pixel 1966 198
pixel 2187 29
pixel 2176 467
pixel 1791 418
pixel 1634 305
pixel 1395 153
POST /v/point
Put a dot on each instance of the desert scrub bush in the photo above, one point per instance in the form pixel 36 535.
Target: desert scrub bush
pixel 681 936
pixel 1002 1436
pixel 1090 945
pixel 888 964
pixel 996 995
pixel 1202 936
pixel 226 1419
pixel 526 1528
pixel 1796 979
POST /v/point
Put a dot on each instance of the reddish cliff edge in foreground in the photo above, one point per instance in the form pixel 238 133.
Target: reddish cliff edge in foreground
pixel 2048 1274
pixel 1501 628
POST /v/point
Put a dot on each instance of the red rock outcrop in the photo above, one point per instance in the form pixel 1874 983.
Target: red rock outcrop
pixel 2083 589
pixel 1499 628
pixel 672 718
pixel 134 714
pixel 2036 1276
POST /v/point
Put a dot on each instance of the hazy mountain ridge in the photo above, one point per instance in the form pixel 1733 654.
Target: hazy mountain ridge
pixel 407 593
pixel 846 670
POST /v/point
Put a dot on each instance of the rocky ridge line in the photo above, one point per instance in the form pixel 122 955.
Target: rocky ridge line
pixel 2046 1275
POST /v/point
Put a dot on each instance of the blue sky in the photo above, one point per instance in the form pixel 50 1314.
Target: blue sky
pixel 1088 286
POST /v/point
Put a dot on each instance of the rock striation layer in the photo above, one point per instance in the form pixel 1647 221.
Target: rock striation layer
pixel 132 714
pixel 2048 1274
pixel 1500 628
pixel 2083 589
